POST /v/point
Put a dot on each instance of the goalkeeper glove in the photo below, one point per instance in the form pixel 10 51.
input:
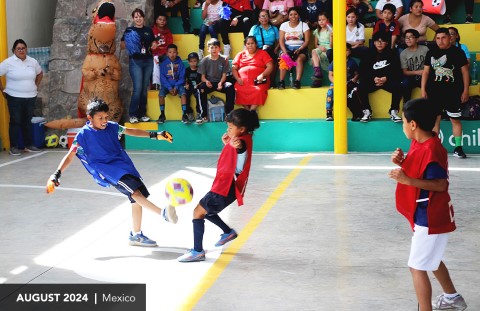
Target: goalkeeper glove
pixel 163 135
pixel 54 181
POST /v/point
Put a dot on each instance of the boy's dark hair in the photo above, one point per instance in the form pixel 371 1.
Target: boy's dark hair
pixel 382 35
pixel 95 106
pixel 243 118
pixel 390 7
pixel 420 110
pixel 412 31
pixel 192 56
pixel 160 14
pixel 442 30
pixel 172 46
pixel 213 42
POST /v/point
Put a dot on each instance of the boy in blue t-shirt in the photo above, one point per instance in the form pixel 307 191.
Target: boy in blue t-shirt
pixel 172 78
pixel 98 147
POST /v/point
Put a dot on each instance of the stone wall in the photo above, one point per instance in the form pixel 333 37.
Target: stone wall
pixel 60 89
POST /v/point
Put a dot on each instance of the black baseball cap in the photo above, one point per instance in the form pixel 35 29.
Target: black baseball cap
pixel 192 55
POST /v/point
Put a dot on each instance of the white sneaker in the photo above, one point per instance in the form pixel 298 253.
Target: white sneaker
pixel 394 116
pixel 144 119
pixel 226 50
pixel 170 214
pixel 367 115
pixel 200 54
pixel 442 303
pixel 133 120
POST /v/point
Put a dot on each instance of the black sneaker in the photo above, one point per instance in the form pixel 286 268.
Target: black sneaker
pixel 316 83
pixel 458 153
pixel 281 85
pixel 161 119
pixel 469 20
pixel 185 119
pixel 329 116
pixel 297 85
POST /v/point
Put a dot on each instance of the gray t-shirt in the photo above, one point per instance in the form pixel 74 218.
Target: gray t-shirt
pixel 214 69
pixel 413 60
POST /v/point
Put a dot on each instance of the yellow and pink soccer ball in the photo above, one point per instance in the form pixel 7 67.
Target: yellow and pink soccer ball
pixel 178 191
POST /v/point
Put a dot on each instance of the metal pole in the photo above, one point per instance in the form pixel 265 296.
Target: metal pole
pixel 340 78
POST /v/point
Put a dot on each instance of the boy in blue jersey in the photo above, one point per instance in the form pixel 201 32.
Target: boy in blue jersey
pixel 98 147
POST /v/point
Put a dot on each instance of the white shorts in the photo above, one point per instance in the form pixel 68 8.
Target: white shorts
pixel 426 251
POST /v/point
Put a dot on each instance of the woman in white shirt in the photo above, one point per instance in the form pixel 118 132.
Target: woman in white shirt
pixel 355 34
pixel 23 75
pixel 294 38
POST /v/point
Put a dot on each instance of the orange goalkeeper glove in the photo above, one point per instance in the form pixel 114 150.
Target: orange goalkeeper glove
pixel 163 135
pixel 53 181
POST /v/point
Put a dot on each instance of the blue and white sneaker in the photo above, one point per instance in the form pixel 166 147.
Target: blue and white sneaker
pixel 140 240
pixel 227 237
pixel 192 256
pixel 170 214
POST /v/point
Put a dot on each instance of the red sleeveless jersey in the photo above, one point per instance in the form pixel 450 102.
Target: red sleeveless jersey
pixel 440 210
pixel 227 163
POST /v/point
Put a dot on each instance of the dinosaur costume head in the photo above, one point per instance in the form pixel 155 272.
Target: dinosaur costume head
pixel 101 37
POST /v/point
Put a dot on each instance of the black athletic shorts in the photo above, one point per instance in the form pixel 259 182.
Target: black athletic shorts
pixel 128 184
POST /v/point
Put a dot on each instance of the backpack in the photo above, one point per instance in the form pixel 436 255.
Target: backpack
pixel 216 109
pixel 471 109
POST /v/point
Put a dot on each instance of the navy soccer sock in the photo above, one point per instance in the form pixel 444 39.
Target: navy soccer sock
pixel 198 230
pixel 219 222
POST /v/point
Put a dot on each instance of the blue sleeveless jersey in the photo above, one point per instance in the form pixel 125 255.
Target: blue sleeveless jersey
pixel 102 154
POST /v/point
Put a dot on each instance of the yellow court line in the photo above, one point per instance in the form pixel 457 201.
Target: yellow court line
pixel 227 254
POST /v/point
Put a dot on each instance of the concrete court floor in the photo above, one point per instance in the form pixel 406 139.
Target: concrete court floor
pixel 317 232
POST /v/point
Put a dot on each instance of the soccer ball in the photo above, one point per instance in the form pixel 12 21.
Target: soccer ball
pixel 63 141
pixel 51 141
pixel 178 191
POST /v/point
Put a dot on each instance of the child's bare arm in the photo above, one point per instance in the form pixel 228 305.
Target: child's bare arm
pixel 437 185
pixel 163 135
pixel 54 179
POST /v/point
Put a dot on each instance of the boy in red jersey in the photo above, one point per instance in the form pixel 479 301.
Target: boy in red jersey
pixel 230 181
pixel 422 197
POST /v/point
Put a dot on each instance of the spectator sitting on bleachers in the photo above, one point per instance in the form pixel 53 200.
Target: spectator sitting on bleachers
pixel 355 34
pixel 164 38
pixel 353 101
pixel 381 70
pixel 411 60
pixel 251 69
pixel 455 40
pixel 240 21
pixel 469 5
pixel 172 77
pixel 418 21
pixel 278 10
pixel 193 80
pixel 294 40
pixel 214 68
pixel 363 7
pixel 328 8
pixel 174 6
pixel 397 3
pixel 211 23
pixel 322 54
pixel 267 37
pixel 310 11
pixel 388 24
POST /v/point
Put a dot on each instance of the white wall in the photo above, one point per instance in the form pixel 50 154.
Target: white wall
pixel 30 20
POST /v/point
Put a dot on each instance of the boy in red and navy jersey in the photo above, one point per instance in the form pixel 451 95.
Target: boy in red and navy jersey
pixel 422 197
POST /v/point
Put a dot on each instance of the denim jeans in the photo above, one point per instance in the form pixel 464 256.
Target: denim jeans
pixel 140 72
pixel 21 113
pixel 213 30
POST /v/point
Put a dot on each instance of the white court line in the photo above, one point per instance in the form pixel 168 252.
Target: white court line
pixel 63 189
pixel 23 158
pixel 352 167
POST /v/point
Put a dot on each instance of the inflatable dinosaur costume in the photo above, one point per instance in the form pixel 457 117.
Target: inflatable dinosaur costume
pixel 101 69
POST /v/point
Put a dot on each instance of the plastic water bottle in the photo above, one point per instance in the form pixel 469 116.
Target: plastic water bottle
pixel 291 79
pixel 474 73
